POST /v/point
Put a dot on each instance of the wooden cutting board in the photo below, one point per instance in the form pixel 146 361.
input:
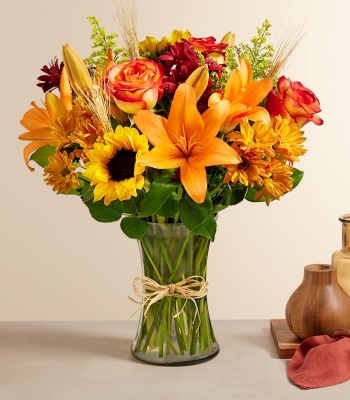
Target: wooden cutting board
pixel 286 342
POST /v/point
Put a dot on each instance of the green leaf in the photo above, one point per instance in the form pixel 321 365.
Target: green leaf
pixel 170 207
pixel 193 214
pixel 207 228
pixel 297 176
pixel 133 227
pixel 102 213
pixel 238 193
pixel 158 193
pixel 41 156
pixel 85 190
pixel 251 192
pixel 132 206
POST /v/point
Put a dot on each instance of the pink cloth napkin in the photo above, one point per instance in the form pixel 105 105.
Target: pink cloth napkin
pixel 321 361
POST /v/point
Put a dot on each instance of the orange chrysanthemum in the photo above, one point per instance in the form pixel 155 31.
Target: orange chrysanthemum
pixel 277 183
pixel 60 173
pixel 290 138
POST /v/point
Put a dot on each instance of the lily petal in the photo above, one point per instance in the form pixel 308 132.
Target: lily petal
pixel 194 181
pixel 220 154
pixel 153 126
pixel 214 117
pixel 165 155
pixel 257 91
pixel 183 115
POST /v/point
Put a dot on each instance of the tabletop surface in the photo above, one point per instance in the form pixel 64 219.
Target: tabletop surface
pixel 92 361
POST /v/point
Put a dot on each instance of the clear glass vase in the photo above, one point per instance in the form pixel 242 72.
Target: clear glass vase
pixel 174 326
pixel 341 257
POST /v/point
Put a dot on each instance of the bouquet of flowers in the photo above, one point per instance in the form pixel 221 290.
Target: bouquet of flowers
pixel 171 132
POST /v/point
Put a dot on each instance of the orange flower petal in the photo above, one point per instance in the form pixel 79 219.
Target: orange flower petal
pixel 258 113
pixel 220 153
pixel 42 134
pixel 29 149
pixel 54 105
pixel 165 155
pixel 194 181
pixel 36 118
pixel 233 86
pixel 183 115
pixel 153 126
pixel 214 117
pixel 256 92
pixel 246 72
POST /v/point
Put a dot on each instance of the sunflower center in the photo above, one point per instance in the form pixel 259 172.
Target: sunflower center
pixel 122 165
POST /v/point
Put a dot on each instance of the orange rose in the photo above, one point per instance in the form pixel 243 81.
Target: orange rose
pixel 209 47
pixel 295 101
pixel 135 85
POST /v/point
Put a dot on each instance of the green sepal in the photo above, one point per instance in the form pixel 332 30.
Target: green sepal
pixel 133 227
pixel 157 195
pixel 41 156
pixel 102 213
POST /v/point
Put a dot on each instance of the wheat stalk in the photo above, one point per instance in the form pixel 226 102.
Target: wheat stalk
pixel 126 21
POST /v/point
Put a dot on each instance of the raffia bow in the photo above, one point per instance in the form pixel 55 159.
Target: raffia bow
pixel 191 288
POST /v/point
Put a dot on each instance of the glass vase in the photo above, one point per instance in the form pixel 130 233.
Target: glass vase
pixel 341 257
pixel 174 326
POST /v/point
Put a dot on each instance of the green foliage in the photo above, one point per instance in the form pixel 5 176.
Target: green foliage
pixel 198 218
pixel 157 195
pixel 41 156
pixel 259 53
pixel 102 213
pixel 133 227
pixel 102 43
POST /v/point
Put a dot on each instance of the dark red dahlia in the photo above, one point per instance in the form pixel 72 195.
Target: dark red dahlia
pixel 51 80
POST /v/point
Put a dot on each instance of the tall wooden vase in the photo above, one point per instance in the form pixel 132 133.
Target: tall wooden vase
pixel 319 306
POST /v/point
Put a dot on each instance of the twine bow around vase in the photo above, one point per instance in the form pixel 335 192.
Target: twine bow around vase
pixel 191 288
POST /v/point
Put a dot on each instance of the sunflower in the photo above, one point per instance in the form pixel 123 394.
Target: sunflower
pixel 153 46
pixel 113 166
pixel 60 173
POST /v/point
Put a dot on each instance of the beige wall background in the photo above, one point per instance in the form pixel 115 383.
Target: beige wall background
pixel 57 263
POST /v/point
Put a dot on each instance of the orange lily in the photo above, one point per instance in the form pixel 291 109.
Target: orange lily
pixel 40 123
pixel 187 140
pixel 244 96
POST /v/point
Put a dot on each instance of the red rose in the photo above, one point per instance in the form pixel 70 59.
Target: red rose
pixel 294 100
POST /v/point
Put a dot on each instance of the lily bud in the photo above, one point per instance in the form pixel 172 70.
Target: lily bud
pixel 229 39
pixel 199 80
pixel 65 90
pixel 78 75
